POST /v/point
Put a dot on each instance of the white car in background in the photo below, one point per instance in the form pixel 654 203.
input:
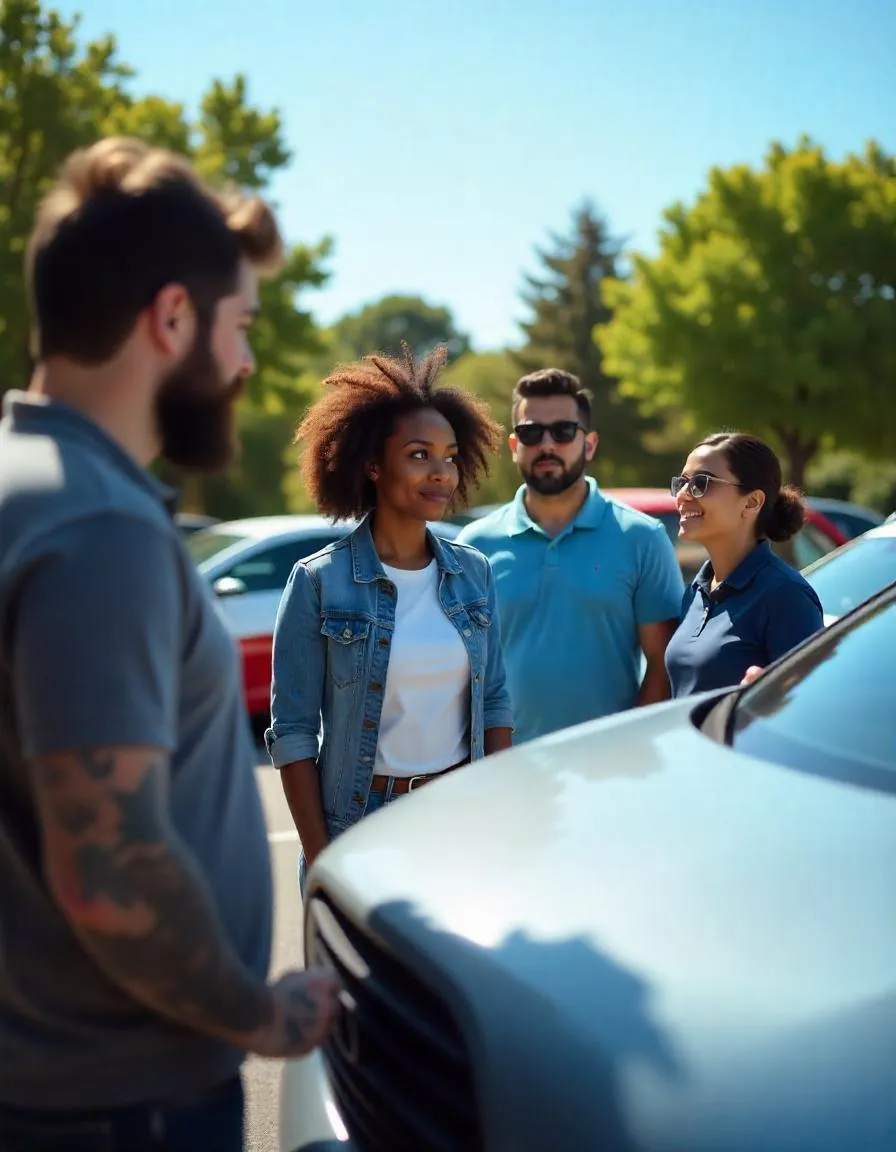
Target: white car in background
pixel 247 564
pixel 857 570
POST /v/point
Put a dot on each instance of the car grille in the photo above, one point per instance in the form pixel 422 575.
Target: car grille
pixel 397 1061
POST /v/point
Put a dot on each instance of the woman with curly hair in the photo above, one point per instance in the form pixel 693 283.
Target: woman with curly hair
pixel 387 666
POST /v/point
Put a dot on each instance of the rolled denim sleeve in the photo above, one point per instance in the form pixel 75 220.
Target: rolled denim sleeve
pixel 497 705
pixel 298 670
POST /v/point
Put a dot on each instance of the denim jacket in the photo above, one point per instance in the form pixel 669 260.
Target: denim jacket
pixel 331 656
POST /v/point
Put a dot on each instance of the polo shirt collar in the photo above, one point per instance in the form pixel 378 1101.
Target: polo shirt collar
pixel 743 574
pixel 589 515
pixel 43 417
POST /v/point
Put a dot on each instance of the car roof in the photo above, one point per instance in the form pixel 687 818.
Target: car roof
pixel 263 527
pixel 829 503
pixel 255 528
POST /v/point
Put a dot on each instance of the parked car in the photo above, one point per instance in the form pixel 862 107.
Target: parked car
pixel 851 519
pixel 854 572
pixel 190 522
pixel 247 564
pixel 669 929
pixel 817 538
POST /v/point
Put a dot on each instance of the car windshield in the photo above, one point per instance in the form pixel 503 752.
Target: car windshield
pixel 856 572
pixel 829 710
pixel 203 545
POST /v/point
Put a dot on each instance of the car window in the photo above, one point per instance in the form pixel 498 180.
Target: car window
pixel 829 710
pixel 859 569
pixel 809 545
pixel 203 545
pixel 269 569
pixel 849 525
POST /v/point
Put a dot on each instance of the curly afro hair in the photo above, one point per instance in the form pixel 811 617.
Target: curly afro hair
pixel 346 429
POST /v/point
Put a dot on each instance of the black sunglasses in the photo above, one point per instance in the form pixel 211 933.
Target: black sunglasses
pixel 698 484
pixel 562 432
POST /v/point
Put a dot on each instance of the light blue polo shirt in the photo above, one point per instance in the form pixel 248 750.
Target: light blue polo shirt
pixel 570 606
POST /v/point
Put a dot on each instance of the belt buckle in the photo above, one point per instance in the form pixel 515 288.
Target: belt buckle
pixel 415 781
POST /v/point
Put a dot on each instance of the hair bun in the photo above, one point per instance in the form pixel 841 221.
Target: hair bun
pixel 787 515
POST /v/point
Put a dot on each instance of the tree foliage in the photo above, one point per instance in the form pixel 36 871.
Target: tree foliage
pixel 382 325
pixel 490 376
pixel 56 96
pixel 771 306
pixel 566 304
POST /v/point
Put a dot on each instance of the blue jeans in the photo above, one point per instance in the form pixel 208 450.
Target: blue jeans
pixel 212 1122
pixel 375 801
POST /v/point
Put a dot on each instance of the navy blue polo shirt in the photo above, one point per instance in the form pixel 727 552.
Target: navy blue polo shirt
pixel 762 610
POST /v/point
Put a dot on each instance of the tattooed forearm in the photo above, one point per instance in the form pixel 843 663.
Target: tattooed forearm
pixel 134 896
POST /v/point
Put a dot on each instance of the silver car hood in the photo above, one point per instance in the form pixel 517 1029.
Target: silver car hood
pixel 718 931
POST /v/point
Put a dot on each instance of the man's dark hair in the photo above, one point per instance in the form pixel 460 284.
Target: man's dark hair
pixel 122 221
pixel 346 429
pixel 553 382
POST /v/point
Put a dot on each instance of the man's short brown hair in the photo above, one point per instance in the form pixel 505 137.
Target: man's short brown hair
pixel 553 382
pixel 123 220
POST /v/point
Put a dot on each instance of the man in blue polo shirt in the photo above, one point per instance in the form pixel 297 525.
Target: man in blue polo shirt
pixel 585 585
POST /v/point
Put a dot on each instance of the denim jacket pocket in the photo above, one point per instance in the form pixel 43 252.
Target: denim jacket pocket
pixel 473 622
pixel 480 615
pixel 346 646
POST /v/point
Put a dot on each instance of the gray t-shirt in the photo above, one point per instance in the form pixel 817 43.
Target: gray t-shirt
pixel 108 636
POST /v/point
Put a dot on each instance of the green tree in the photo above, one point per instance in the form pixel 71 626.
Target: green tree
pixel 55 96
pixel 771 306
pixel 566 305
pixel 490 376
pixel 382 325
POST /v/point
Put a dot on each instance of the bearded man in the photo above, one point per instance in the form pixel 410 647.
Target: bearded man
pixel 585 585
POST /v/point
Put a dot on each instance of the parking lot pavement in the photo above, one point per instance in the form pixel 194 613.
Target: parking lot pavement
pixel 262 1077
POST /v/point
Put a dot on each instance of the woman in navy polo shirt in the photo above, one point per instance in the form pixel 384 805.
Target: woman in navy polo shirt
pixel 746 607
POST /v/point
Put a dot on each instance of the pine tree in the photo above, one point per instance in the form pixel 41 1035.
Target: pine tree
pixel 565 304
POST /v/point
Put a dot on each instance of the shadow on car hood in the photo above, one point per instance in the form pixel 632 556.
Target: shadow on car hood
pixel 711 923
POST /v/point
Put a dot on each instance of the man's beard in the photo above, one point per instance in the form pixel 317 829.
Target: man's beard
pixel 195 412
pixel 553 483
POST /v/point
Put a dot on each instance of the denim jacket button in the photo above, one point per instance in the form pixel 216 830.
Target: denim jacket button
pixel 346 634
pixel 467 632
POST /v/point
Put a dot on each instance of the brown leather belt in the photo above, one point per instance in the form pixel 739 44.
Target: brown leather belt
pixel 401 785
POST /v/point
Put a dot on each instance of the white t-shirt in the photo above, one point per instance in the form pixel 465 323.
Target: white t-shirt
pixel 425 721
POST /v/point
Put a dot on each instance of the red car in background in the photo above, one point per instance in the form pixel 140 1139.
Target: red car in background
pixel 817 537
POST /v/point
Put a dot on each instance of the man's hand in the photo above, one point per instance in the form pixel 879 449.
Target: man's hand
pixel 751 674
pixel 305 1008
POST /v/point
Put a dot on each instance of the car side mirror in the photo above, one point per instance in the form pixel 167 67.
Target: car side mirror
pixel 229 586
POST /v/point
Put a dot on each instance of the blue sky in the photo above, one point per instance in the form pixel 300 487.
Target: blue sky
pixel 439 143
